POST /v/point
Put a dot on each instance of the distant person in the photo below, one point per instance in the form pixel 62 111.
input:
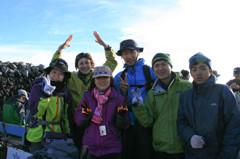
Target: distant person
pixel 159 109
pixel 208 118
pixel 13 108
pixel 235 83
pixel 185 75
pixel 216 74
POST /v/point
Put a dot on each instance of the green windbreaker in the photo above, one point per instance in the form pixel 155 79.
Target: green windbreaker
pixel 160 110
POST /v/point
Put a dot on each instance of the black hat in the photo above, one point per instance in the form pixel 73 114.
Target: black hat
pixel 59 64
pixel 236 70
pixel 128 44
pixel 216 73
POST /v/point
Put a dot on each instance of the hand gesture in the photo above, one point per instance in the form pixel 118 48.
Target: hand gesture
pixel 99 40
pixel 86 109
pixel 234 86
pixel 48 88
pixel 123 109
pixel 137 100
pixel 124 86
pixel 65 44
pixel 197 142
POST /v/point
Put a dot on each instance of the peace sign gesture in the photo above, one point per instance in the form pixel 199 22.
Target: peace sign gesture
pixel 137 100
pixel 99 40
pixel 48 88
pixel 65 44
pixel 124 86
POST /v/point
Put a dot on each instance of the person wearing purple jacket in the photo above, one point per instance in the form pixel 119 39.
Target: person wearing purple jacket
pixel 104 113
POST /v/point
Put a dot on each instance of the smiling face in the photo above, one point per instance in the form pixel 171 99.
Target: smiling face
pixel 200 72
pixel 84 65
pixel 162 70
pixel 130 57
pixel 102 83
pixel 56 75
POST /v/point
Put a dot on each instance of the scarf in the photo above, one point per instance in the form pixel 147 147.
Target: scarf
pixel 101 99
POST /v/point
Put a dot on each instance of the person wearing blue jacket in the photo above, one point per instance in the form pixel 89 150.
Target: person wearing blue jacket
pixel 208 116
pixel 137 140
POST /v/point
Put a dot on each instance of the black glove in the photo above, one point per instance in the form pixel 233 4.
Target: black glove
pixel 123 109
pixel 86 109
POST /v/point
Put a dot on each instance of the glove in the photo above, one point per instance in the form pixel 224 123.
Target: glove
pixel 197 142
pixel 48 89
pixel 85 108
pixel 137 100
pixel 123 109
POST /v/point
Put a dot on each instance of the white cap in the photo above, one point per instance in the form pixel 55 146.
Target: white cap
pixel 22 92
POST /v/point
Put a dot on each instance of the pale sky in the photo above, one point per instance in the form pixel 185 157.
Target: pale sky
pixel 31 31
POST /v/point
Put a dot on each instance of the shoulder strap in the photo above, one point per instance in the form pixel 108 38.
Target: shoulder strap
pixel 123 73
pixel 147 74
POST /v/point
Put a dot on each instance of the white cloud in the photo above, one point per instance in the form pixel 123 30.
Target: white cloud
pixel 207 26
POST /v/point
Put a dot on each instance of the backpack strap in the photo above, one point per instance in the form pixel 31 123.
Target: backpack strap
pixel 63 105
pixel 147 74
pixel 123 73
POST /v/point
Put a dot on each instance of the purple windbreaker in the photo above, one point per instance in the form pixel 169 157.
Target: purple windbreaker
pixel 112 142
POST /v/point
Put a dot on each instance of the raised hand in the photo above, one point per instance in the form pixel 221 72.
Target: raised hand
pixel 65 44
pixel 123 109
pixel 124 86
pixel 86 109
pixel 99 40
pixel 137 100
pixel 48 88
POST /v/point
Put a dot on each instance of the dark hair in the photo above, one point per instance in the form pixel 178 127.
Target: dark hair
pixel 84 55
pixel 185 73
pixel 92 84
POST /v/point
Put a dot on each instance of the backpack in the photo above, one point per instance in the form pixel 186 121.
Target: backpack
pixel 57 149
pixel 148 77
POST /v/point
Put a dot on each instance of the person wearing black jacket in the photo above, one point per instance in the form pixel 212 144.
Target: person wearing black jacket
pixel 208 116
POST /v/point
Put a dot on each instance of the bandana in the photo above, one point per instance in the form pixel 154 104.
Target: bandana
pixel 101 99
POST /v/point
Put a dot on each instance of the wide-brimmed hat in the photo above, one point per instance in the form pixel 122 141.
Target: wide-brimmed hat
pixel 128 44
pixel 59 64
pixel 102 71
pixel 22 92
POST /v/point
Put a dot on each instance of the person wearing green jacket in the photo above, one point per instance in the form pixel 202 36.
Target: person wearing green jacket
pixel 80 80
pixel 160 108
pixel 13 108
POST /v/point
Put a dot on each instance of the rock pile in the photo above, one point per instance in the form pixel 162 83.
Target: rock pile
pixel 14 76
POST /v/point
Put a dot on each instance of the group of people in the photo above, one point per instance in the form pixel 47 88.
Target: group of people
pixel 141 113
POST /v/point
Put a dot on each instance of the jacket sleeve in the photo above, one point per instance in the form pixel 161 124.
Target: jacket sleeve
pixel 184 130
pixel 56 55
pixel 81 119
pixel 110 59
pixel 231 139
pixel 145 113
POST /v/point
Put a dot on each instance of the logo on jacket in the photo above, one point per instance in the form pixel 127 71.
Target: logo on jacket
pixel 214 104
